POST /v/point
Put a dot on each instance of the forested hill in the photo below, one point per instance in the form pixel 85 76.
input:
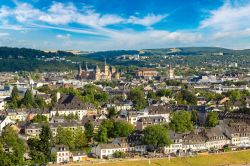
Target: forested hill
pixel 196 51
pixel 20 53
pixel 24 59
pixel 111 54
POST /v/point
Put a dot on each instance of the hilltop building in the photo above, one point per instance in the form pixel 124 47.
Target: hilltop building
pixel 109 73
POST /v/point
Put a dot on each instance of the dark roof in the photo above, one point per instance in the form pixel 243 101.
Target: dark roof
pixel 109 146
pixel 159 109
pixel 70 102
pixel 61 148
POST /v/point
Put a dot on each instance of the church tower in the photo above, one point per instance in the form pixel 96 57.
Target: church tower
pixel 113 70
pixel 106 69
pixel 170 72
pixel 117 75
pixel 80 71
pixel 97 73
pixel 86 67
pixel 87 76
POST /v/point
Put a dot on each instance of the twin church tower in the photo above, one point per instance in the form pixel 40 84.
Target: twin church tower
pixel 109 73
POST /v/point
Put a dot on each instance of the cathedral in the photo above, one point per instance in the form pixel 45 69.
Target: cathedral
pixel 109 73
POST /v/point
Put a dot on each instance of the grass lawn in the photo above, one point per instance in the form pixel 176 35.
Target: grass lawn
pixel 232 158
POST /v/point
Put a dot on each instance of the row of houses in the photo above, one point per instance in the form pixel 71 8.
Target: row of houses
pixel 227 133
pixel 63 155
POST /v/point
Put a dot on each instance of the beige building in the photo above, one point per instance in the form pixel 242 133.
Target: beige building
pixel 109 73
pixel 146 72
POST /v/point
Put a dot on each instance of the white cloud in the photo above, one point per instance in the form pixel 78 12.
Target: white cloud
pixel 25 12
pixel 229 17
pixel 153 39
pixel 227 22
pixel 4 12
pixel 148 20
pixel 60 36
pixel 63 14
pixel 59 13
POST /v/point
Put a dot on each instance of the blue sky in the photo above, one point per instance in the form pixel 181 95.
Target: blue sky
pixel 124 24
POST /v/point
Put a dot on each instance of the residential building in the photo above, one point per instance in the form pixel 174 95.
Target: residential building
pixel 62 153
pixel 70 104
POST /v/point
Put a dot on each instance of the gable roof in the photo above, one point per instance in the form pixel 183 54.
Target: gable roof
pixel 70 102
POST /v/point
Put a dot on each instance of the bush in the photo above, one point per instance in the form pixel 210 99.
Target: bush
pixel 119 154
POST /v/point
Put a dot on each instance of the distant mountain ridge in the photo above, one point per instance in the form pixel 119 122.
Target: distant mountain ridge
pixel 20 53
pixel 198 50
pixel 18 59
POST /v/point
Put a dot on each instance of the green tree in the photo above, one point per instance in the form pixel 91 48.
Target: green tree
pixel 151 95
pixel 40 103
pixel 212 119
pixel 80 139
pixel 181 121
pixel 137 96
pixel 89 130
pixel 109 125
pixel 15 94
pixel 156 136
pixel 186 97
pixel 102 134
pixel 119 154
pixel 111 113
pixel 39 119
pixel 71 116
pixel 194 117
pixel 163 92
pixel 16 146
pixel 38 157
pixel 234 95
pixel 122 129
pixel 14 102
pixel 28 99
pixel 65 136
pixel 46 140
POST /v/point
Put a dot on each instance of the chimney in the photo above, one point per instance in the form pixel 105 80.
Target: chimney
pixel 58 96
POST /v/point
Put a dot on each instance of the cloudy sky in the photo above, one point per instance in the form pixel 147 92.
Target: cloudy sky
pixel 124 24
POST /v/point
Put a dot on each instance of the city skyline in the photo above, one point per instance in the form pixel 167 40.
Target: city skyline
pixel 110 25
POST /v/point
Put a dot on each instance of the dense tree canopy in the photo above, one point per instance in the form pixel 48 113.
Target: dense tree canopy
pixel 112 129
pixel 156 136
pixel 75 140
pixel 137 96
pixel 39 119
pixel 186 97
pixel 12 148
pixel 212 119
pixel 181 121
pixel 89 130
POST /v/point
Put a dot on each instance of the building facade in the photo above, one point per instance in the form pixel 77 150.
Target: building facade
pixel 109 73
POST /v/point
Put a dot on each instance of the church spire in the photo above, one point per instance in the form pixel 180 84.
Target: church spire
pixel 80 69
pixel 86 66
